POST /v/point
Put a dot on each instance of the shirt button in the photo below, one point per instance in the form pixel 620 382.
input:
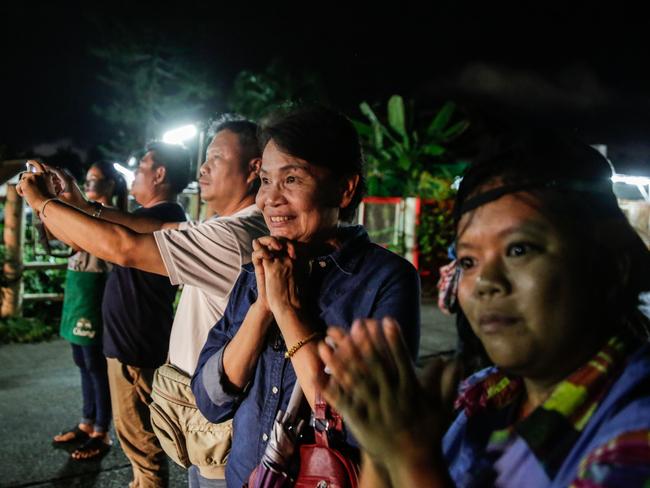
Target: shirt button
pixel 322 264
pixel 265 437
pixel 274 390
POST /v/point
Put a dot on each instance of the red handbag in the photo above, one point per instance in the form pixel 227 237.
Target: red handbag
pixel 322 465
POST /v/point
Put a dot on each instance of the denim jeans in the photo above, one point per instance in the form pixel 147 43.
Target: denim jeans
pixel 94 385
pixel 195 480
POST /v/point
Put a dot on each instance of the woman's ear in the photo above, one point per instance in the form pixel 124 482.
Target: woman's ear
pixel 349 186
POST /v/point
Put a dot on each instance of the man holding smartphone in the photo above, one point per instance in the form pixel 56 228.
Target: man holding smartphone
pixel 205 257
pixel 137 306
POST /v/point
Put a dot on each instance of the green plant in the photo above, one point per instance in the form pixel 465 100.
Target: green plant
pixel 41 281
pixel 2 243
pixel 435 233
pixel 40 319
pixel 405 160
pixel 409 160
pixel 26 329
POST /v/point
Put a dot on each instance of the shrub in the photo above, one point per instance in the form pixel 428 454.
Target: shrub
pixel 26 329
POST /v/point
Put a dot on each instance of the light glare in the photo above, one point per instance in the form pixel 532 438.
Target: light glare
pixel 642 183
pixel 180 135
pixel 129 175
pixel 631 180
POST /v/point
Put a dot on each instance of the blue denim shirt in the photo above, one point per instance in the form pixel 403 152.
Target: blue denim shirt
pixel 359 280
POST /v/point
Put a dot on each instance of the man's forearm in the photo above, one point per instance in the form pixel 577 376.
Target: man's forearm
pixel 106 240
pixel 137 223
pixel 56 230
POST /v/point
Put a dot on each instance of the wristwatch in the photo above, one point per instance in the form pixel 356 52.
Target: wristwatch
pixel 97 208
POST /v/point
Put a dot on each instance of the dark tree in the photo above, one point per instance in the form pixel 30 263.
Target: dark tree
pixel 150 86
pixel 256 93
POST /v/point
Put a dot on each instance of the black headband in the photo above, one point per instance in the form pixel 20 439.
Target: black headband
pixel 601 187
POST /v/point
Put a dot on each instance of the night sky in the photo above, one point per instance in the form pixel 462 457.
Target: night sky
pixel 581 68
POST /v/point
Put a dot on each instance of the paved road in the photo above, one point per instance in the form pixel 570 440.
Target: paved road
pixel 40 395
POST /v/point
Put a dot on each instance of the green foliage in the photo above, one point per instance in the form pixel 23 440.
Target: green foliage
pixel 41 281
pixel 404 160
pixel 435 234
pixel 40 320
pixel 254 94
pixel 27 329
pixel 380 223
pixel 150 84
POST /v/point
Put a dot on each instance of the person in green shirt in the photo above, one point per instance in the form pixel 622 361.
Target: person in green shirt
pixel 81 323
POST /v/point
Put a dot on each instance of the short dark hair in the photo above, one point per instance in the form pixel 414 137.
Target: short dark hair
pixel 572 182
pixel 245 129
pixel 176 161
pixel 246 132
pixel 323 137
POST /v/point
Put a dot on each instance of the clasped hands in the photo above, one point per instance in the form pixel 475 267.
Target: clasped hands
pixel 277 271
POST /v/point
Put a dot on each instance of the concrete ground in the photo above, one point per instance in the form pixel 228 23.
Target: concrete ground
pixel 40 395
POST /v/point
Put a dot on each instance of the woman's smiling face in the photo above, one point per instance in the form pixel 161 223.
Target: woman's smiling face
pixel 522 288
pixel 299 200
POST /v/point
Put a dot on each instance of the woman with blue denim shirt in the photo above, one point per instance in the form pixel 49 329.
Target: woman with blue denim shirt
pixel 311 272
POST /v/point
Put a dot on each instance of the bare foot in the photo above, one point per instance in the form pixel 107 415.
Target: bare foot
pixel 80 432
pixel 95 446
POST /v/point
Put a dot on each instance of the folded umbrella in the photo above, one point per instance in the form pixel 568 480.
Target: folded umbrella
pixel 273 470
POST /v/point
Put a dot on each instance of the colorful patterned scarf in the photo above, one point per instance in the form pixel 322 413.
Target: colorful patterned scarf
pixel 552 428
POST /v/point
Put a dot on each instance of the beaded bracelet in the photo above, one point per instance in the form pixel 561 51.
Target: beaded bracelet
pixel 293 349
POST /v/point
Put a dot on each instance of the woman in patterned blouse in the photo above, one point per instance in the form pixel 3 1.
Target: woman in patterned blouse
pixel 549 274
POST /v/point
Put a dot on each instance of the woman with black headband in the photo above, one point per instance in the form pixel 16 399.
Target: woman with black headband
pixel 549 277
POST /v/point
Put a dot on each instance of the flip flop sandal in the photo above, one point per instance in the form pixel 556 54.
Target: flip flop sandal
pixel 79 435
pixel 93 448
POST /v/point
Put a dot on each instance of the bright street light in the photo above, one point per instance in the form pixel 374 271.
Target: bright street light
pixel 641 182
pixel 129 175
pixel 631 180
pixel 180 135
